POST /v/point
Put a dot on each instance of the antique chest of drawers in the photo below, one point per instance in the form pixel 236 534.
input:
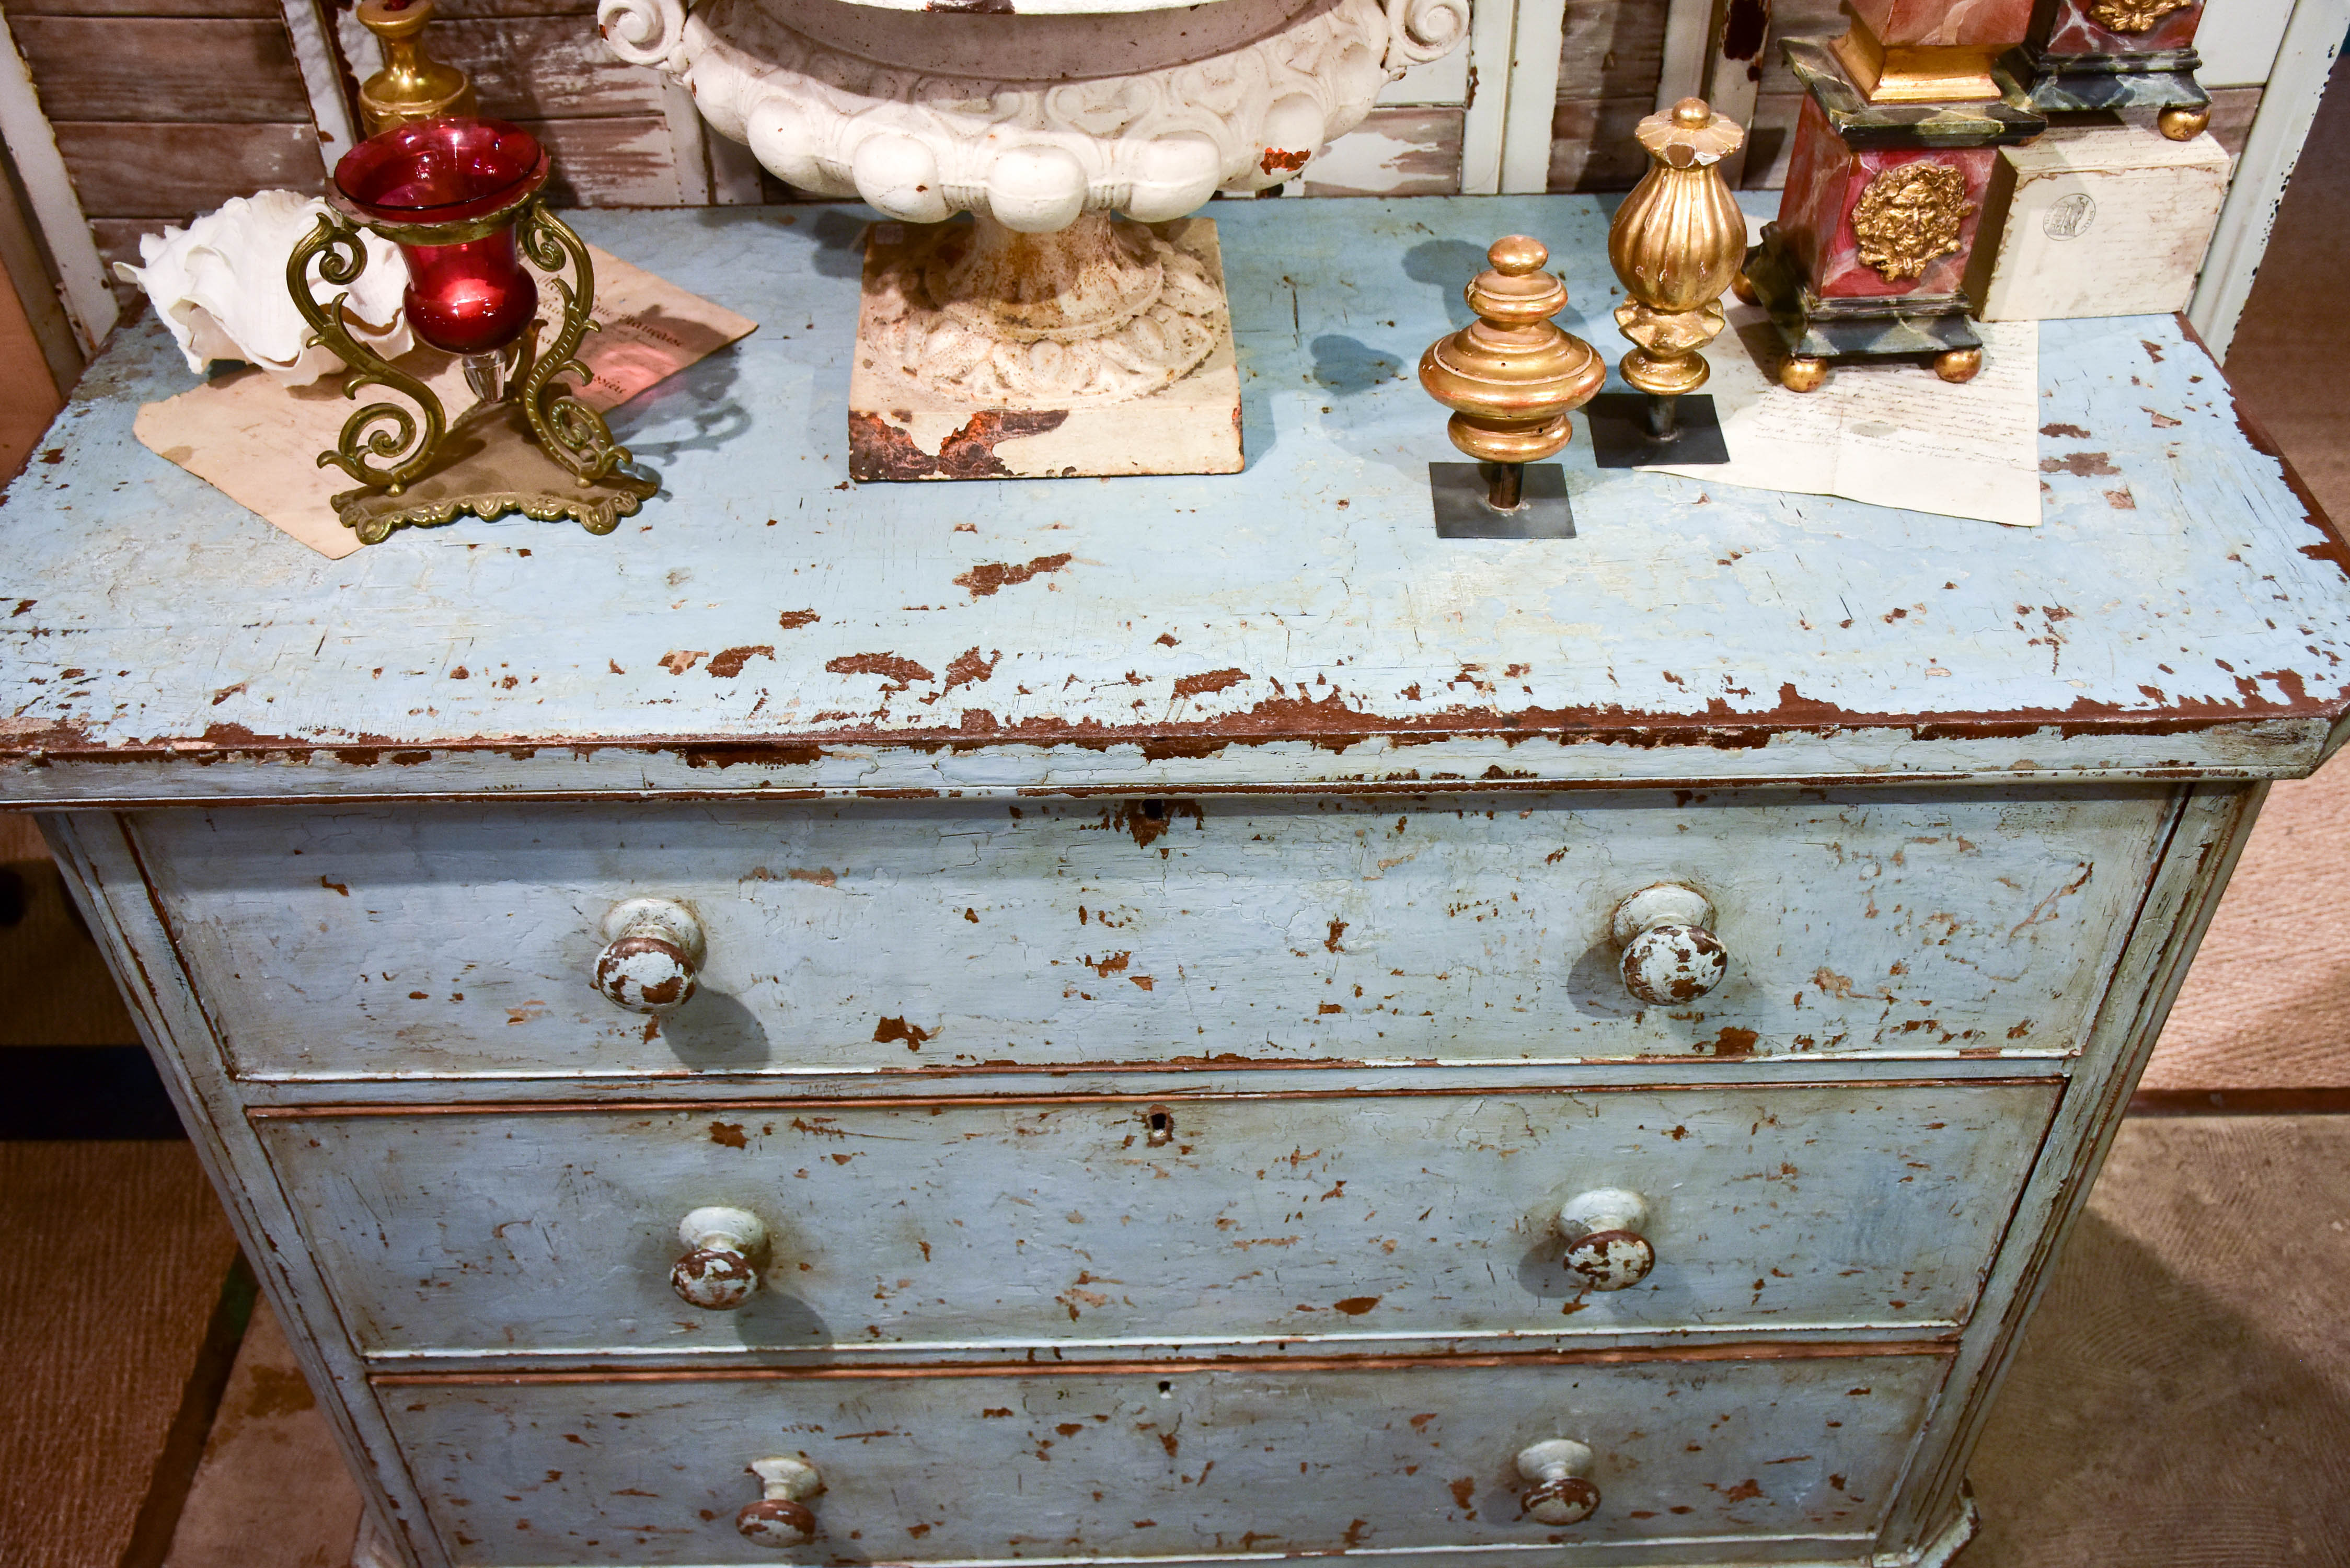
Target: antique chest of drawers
pixel 1185 1020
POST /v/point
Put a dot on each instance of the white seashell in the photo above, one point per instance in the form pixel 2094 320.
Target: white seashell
pixel 219 285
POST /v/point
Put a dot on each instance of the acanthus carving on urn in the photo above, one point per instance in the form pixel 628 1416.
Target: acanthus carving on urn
pixel 957 133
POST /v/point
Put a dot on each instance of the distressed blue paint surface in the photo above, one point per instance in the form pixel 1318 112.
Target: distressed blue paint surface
pixel 1311 592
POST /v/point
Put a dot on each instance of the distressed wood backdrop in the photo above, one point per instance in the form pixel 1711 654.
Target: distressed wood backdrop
pixel 163 109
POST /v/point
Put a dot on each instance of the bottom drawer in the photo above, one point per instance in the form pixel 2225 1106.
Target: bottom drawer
pixel 1791 1457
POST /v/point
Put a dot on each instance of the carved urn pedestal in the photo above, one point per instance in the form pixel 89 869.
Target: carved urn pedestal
pixel 1893 153
pixel 1076 322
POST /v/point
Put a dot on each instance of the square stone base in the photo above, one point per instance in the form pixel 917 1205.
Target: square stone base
pixel 899 429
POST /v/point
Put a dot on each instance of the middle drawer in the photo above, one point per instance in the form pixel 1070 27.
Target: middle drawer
pixel 964 1224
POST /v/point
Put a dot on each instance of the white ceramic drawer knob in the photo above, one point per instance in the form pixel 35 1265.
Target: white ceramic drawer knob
pixel 721 1267
pixel 652 955
pixel 1559 1492
pixel 1604 1229
pixel 1671 953
pixel 782 1516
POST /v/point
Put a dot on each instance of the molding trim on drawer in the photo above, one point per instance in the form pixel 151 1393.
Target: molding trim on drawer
pixel 1772 1351
pixel 1079 1353
pixel 1120 1097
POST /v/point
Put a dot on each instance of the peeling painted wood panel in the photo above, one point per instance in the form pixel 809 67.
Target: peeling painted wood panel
pixel 431 943
pixel 1796 19
pixel 546 68
pixel 1330 1223
pixel 124 169
pixel 22 8
pixel 622 162
pixel 1175 1463
pixel 1394 153
pixel 1611 48
pixel 1592 145
pixel 479 9
pixel 210 70
pixel 1273 636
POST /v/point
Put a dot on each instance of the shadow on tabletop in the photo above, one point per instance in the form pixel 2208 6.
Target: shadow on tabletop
pixel 700 398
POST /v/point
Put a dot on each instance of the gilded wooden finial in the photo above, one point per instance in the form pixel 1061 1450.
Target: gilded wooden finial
pixel 413 85
pixel 1513 375
pixel 1676 244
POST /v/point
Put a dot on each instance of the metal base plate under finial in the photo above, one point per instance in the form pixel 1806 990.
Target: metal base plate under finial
pixel 1463 511
pixel 491 466
pixel 1620 438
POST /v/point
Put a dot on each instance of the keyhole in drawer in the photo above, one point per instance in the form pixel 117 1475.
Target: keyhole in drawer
pixel 1161 1123
pixel 1154 811
pixel 1167 1390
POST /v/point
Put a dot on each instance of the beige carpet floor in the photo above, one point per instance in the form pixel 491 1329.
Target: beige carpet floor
pixel 111 1261
pixel 272 1492
pixel 2182 1399
pixel 2267 1005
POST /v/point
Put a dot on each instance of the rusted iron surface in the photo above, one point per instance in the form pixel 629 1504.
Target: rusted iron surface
pixel 1209 933
pixel 1297 625
pixel 1175 1462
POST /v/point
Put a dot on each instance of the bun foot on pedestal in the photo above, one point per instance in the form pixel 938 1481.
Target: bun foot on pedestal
pixel 1798 374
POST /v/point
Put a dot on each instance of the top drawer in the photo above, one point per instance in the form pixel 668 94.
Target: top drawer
pixel 442 941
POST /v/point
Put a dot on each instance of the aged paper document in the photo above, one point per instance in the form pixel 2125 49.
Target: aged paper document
pixel 1893 434
pixel 258 442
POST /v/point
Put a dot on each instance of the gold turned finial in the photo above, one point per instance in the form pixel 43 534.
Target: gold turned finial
pixel 413 85
pixel 1513 375
pixel 1676 244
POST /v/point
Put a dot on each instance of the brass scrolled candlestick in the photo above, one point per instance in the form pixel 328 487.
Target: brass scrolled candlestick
pixel 461 198
pixel 1511 377
pixel 1676 244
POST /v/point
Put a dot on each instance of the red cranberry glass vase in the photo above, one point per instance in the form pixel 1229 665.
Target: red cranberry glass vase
pixel 448 193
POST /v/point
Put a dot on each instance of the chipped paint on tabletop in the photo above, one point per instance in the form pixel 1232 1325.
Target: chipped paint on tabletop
pixel 766 624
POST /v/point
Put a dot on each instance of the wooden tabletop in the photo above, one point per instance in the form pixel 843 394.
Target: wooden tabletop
pixel 766 627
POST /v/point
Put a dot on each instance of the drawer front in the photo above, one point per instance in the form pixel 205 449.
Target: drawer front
pixel 856 936
pixel 1172 1462
pixel 977 1224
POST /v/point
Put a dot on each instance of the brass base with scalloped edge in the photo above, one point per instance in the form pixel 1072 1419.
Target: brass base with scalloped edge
pixel 487 465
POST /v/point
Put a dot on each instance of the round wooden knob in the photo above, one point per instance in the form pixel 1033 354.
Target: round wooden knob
pixel 1559 1492
pixel 721 1267
pixel 1671 953
pixel 782 1517
pixel 1604 1229
pixel 1513 375
pixel 652 955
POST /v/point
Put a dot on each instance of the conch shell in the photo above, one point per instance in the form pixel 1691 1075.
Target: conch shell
pixel 219 285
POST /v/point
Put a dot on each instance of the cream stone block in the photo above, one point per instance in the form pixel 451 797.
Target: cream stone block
pixel 2096 221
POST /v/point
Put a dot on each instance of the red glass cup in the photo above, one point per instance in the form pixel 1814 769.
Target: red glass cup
pixel 448 193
